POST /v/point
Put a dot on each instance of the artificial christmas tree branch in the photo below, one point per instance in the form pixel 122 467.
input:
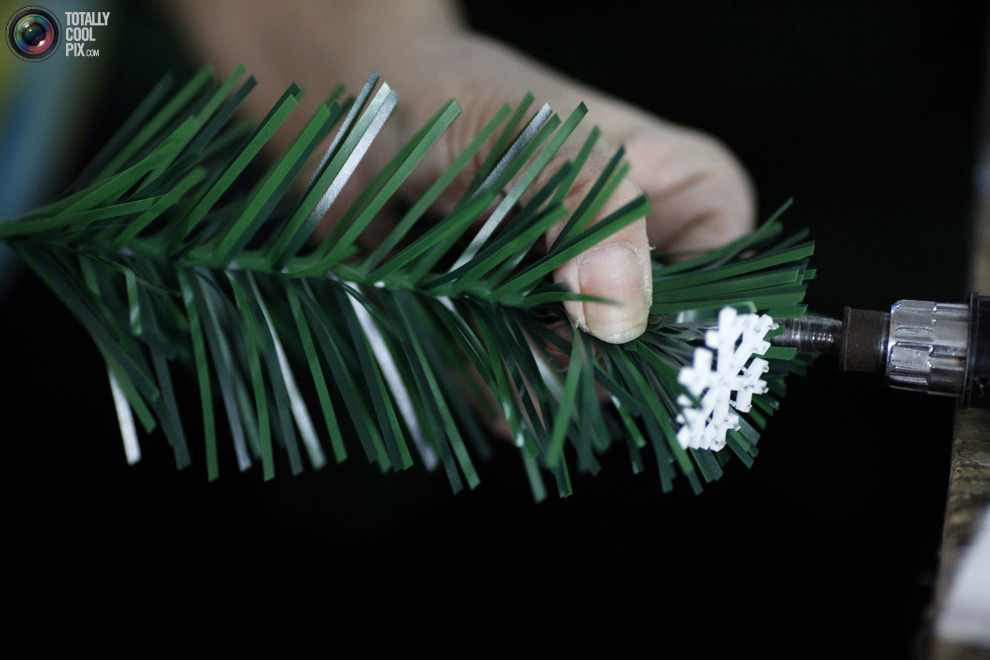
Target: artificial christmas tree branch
pixel 171 250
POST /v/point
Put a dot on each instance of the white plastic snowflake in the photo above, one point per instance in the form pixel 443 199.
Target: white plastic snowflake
pixel 736 339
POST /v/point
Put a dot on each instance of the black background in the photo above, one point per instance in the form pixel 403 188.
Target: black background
pixel 865 113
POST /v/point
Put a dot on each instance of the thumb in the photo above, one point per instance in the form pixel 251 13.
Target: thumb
pixel 617 269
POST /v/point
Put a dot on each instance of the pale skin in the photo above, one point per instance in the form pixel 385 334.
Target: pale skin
pixel 699 194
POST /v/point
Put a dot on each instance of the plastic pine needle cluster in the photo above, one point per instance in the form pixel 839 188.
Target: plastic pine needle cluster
pixel 173 253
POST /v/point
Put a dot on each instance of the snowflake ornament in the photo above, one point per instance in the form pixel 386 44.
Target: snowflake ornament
pixel 735 340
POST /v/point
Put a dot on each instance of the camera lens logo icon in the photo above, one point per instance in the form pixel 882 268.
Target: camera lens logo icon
pixel 33 33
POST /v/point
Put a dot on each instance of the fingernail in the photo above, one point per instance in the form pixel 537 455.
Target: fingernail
pixel 614 272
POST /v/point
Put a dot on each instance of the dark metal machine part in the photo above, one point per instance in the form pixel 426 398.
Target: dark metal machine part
pixel 924 346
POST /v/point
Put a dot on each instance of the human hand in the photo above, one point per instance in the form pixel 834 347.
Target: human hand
pixel 699 194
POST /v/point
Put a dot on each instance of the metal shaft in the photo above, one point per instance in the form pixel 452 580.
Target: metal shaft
pixel 811 334
pixel 937 348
